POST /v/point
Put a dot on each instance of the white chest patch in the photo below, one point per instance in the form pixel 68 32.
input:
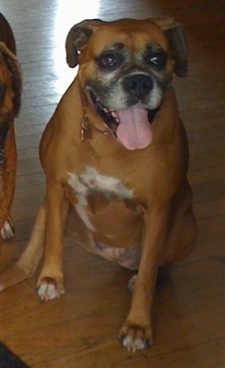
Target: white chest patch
pixel 90 181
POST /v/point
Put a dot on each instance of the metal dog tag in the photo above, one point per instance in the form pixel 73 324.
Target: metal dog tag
pixel 85 133
pixel 85 130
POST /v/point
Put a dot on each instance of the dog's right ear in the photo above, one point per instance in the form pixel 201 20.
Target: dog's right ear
pixel 176 38
pixel 77 38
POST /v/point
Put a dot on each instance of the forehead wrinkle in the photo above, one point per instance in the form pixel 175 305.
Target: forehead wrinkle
pixel 115 46
pixel 111 40
pixel 134 41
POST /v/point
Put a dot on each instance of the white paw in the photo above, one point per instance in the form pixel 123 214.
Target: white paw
pixel 7 230
pixel 133 344
pixel 48 290
pixel 136 337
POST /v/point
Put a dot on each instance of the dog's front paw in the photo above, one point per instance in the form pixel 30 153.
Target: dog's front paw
pixel 49 289
pixel 135 337
pixel 7 230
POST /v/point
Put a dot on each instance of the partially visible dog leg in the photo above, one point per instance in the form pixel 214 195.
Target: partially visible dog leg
pixel 27 263
pixel 50 281
pixel 7 183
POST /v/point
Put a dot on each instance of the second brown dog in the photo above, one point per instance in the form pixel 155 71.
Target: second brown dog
pixel 10 96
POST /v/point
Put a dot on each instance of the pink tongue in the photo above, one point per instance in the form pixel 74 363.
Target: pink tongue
pixel 134 130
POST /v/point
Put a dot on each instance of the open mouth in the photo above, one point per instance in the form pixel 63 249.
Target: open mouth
pixel 131 126
pixel 109 117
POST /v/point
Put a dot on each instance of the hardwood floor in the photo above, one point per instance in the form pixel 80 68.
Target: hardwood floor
pixel 80 329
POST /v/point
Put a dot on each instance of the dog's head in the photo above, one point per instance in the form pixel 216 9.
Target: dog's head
pixel 125 67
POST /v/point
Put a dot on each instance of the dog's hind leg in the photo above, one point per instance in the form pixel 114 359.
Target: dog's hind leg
pixel 28 262
pixel 183 230
pixel 182 238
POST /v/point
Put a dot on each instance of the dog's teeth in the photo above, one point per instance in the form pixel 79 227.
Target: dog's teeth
pixel 114 114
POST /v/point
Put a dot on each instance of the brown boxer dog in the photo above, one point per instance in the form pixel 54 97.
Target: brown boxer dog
pixel 10 95
pixel 116 151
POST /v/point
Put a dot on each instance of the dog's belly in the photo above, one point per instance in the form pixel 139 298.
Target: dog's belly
pixel 107 209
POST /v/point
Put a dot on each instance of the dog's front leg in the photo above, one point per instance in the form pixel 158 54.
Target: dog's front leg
pixel 50 281
pixel 136 333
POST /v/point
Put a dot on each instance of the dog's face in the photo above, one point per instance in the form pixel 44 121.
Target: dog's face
pixel 125 68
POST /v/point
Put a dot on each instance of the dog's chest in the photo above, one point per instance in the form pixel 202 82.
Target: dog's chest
pixel 97 194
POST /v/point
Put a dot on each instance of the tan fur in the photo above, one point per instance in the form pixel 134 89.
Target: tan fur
pixel 158 215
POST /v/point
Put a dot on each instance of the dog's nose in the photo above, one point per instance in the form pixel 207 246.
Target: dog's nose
pixel 138 85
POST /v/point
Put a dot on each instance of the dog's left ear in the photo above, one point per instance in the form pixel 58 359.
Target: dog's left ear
pixel 77 38
pixel 175 36
pixel 16 75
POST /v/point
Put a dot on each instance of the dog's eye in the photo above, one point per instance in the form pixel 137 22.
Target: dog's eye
pixel 157 59
pixel 109 60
